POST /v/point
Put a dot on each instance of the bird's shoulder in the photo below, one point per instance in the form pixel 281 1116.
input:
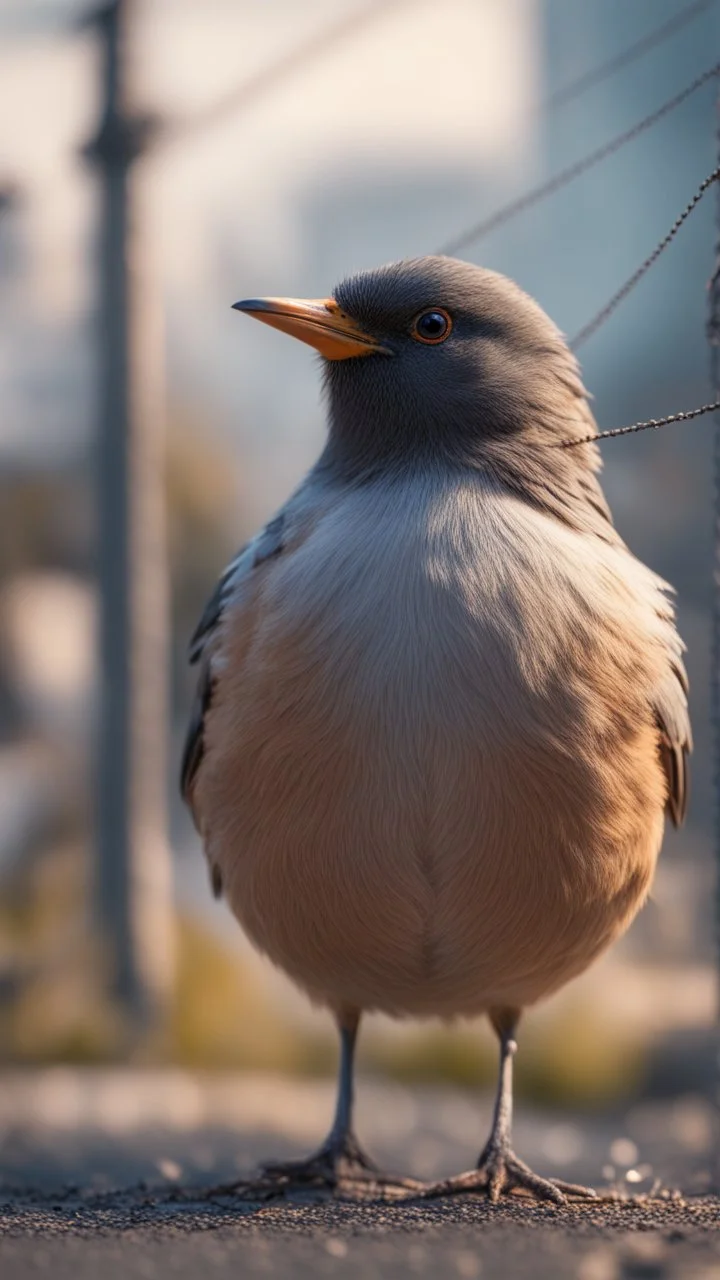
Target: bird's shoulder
pixel 668 689
pixel 263 546
pixel 672 715
pixel 619 595
pixel 236 587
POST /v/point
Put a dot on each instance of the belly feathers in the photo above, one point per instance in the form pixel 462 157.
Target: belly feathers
pixel 425 786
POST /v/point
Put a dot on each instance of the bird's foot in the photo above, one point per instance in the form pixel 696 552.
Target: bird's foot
pixel 340 1167
pixel 500 1172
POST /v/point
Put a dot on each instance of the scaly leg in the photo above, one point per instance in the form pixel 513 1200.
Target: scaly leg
pixel 499 1171
pixel 340 1165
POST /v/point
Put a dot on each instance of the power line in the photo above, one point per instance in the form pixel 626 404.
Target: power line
pixel 269 77
pixel 651 424
pixel 589 79
pixel 605 312
pixel 562 179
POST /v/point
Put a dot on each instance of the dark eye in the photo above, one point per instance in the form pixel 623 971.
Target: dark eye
pixel 432 326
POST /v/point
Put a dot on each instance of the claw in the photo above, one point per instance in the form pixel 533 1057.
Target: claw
pixel 500 1173
pixel 337 1168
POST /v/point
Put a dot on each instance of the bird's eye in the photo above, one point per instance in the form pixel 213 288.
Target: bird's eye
pixel 432 326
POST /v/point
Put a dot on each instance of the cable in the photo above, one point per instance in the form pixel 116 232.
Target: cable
pixel 593 325
pixel 652 424
pixel 536 194
pixel 272 75
pixel 589 79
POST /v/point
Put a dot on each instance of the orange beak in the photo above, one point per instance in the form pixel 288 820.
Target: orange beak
pixel 317 321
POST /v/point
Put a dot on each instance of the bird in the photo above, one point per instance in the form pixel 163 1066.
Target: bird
pixel 441 713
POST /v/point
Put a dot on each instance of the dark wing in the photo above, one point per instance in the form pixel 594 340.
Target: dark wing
pixel 268 543
pixel 673 720
pixel 194 746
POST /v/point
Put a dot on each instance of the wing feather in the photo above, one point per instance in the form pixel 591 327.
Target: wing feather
pixel 268 543
pixel 673 721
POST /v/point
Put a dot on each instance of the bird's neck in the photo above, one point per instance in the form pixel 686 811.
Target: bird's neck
pixel 560 483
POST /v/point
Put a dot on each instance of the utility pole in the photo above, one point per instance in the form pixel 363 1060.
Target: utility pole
pixel 133 895
pixel 133 889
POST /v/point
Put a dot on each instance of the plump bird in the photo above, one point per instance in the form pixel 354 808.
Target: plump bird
pixel 442 710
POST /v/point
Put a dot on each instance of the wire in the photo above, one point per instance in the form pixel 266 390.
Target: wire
pixel 652 424
pixel 270 76
pixel 589 79
pixel 593 325
pixel 536 194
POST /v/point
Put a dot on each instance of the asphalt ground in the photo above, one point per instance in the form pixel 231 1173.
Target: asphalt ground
pixel 100 1185
pixel 134 1233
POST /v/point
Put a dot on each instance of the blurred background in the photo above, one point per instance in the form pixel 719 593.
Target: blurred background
pixel 159 160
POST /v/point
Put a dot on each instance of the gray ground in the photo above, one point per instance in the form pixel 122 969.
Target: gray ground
pixel 133 1234
pixel 99 1184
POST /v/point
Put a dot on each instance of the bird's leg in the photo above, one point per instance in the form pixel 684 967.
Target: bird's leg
pixel 499 1171
pixel 340 1154
pixel 340 1164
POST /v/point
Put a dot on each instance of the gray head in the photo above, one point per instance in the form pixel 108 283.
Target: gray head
pixel 436 362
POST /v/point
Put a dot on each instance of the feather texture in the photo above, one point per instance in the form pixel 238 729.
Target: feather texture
pixel 441 708
pixel 266 544
pixel 434 774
